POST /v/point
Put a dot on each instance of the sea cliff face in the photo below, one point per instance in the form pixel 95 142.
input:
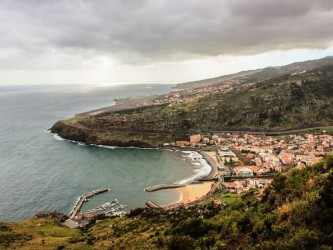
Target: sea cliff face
pixel 71 132
pixel 104 137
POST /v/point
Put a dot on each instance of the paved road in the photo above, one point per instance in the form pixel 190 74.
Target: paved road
pixel 282 132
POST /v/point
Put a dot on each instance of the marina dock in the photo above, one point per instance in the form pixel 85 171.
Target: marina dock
pixel 83 198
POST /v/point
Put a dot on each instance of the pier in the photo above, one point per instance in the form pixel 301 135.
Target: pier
pixel 83 198
pixel 162 186
pixel 153 205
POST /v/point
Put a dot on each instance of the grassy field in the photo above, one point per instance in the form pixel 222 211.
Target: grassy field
pixel 35 234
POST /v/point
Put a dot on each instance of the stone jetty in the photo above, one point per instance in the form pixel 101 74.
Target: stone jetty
pixel 162 186
pixel 83 198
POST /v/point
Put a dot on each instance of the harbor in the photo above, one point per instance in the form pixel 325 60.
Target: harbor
pixel 83 199
pixel 112 208
pixel 80 219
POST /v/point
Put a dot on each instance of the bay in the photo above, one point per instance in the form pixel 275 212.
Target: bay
pixel 40 172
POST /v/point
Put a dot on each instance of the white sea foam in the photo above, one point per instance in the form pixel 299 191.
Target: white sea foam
pixel 200 172
pixel 55 136
pixel 104 146
pixel 58 138
pixel 196 163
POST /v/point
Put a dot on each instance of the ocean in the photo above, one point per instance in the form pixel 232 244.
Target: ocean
pixel 40 171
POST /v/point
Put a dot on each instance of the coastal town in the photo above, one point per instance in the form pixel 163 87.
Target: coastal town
pixel 239 162
pixel 193 94
pixel 244 161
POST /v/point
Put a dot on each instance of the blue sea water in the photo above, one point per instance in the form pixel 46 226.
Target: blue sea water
pixel 40 172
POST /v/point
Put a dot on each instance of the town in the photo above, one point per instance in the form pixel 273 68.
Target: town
pixel 246 161
pixel 193 94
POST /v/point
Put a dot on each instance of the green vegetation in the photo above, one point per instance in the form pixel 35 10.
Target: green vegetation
pixel 294 212
pixel 230 198
pixel 34 234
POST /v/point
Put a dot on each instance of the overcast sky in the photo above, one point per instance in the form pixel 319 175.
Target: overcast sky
pixel 112 41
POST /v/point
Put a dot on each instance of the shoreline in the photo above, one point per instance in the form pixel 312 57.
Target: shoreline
pixel 212 163
pixel 189 192
pixel 193 192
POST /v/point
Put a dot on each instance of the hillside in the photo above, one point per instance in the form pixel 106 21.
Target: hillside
pixel 285 102
pixel 215 80
pixel 294 212
pixel 261 74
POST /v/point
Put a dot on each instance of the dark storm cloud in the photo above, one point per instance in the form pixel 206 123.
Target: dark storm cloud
pixel 149 30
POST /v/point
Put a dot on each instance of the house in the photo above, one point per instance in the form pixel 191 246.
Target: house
pixel 182 143
pixel 206 140
pixel 195 138
pixel 243 171
pixel 215 137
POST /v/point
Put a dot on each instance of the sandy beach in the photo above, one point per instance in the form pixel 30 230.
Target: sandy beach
pixel 212 154
pixel 193 192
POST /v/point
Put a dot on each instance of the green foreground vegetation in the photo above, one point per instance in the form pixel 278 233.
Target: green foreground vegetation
pixel 294 212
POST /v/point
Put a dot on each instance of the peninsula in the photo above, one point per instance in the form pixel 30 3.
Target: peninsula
pixel 293 97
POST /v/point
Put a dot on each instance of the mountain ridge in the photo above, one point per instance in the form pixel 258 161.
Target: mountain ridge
pixel 266 73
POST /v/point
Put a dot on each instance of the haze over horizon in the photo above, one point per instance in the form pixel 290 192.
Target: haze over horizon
pixel 101 42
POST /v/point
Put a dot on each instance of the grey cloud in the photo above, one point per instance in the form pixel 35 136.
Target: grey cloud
pixel 271 8
pixel 139 32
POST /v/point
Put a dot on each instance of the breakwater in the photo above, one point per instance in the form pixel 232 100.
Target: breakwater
pixel 162 186
pixel 84 198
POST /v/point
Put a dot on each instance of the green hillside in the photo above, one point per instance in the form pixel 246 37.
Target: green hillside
pixel 286 102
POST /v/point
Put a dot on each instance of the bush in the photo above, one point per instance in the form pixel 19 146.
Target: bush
pixel 135 212
pixel 181 243
pixel 193 227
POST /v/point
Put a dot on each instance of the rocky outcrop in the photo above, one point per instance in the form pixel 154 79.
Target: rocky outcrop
pixel 99 136
pixel 70 132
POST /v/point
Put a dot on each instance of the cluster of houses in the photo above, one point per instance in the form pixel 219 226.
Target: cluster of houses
pixel 240 186
pixel 196 141
pixel 255 157
pixel 277 153
pixel 264 154
pixel 192 94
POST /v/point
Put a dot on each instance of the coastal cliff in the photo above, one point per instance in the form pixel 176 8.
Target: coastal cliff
pixel 277 104
pixel 100 137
